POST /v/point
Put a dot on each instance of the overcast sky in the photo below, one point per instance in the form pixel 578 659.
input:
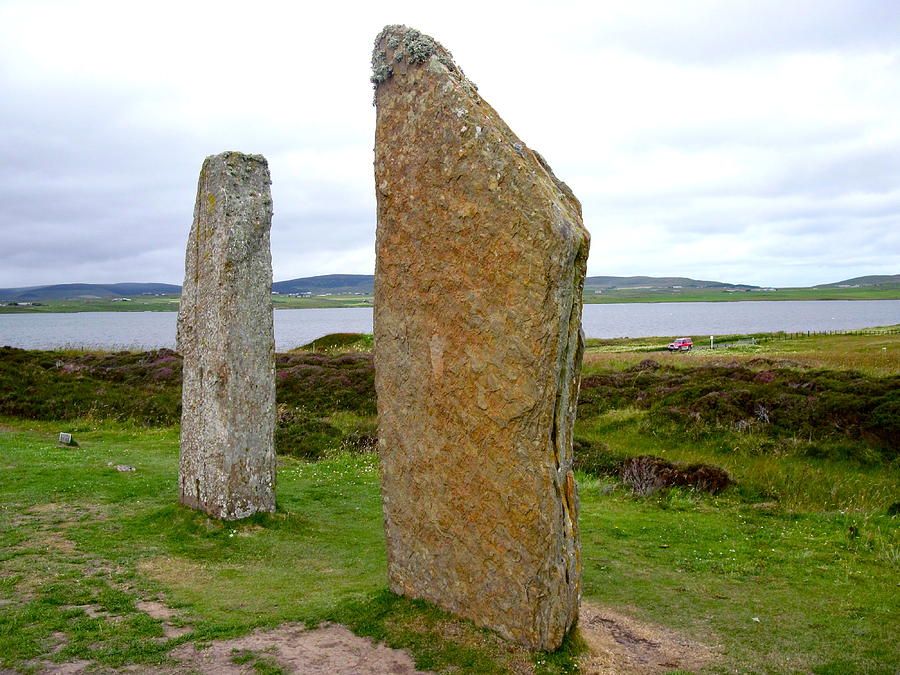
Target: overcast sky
pixel 743 141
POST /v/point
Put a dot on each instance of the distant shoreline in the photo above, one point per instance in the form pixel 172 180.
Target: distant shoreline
pixel 169 303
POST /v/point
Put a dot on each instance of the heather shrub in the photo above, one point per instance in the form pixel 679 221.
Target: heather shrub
pixel 776 401
pixel 646 474
pixel 301 434
pixel 143 387
pixel 326 383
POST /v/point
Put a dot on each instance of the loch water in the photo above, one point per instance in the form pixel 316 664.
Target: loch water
pixel 294 327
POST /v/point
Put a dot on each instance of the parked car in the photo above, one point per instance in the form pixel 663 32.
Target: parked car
pixel 681 345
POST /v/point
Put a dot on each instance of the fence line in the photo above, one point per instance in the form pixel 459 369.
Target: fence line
pixel 812 333
pixel 794 336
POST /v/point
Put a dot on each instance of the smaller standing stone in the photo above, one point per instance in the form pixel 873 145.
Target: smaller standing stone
pixel 226 337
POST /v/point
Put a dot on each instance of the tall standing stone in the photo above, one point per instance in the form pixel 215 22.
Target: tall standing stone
pixel 226 337
pixel 481 256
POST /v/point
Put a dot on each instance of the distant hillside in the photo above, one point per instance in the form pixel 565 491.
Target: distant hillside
pixel 656 282
pixel 328 283
pixel 363 283
pixel 66 291
pixel 871 280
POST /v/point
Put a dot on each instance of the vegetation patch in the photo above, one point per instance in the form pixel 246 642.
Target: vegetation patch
pixel 791 568
pixel 778 402
pixel 140 387
pixel 299 434
pixel 646 474
pixel 326 384
pixel 340 343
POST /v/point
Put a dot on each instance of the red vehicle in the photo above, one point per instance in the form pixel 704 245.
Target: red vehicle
pixel 681 345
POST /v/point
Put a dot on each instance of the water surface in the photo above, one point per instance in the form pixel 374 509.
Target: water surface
pixel 294 327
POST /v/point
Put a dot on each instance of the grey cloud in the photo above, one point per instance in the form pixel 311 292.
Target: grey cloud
pixel 103 176
pixel 83 182
pixel 714 32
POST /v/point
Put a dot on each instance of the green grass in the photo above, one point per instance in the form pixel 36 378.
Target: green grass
pixel 169 303
pixel 81 543
pixel 322 302
pixel 821 578
pixel 138 303
pixel 339 343
pixel 780 592
pixel 874 351
pixel 793 569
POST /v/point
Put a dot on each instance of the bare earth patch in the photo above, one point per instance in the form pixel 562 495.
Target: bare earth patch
pixel 158 610
pixel 176 572
pixel 620 645
pixel 329 649
pixel 69 668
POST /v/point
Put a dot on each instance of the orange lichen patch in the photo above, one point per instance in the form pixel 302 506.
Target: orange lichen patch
pixel 481 254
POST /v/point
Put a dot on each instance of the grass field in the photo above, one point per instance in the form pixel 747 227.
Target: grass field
pixel 141 303
pixel 169 303
pixel 137 303
pixel 619 295
pixel 793 569
pixel 875 351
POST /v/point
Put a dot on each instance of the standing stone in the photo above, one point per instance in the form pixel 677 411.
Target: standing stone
pixel 226 338
pixel 481 256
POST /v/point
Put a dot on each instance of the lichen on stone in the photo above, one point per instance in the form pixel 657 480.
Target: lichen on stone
pixel 418 46
pixel 381 71
pixel 410 45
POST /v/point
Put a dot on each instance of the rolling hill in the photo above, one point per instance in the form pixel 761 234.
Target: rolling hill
pixel 871 280
pixel 328 283
pixel 68 291
pixel 656 282
pixel 342 284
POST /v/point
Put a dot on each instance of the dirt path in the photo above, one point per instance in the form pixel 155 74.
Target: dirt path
pixel 330 649
pixel 621 645
pixel 327 650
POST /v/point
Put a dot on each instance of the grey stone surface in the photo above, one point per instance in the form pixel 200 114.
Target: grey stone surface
pixel 226 337
pixel 480 263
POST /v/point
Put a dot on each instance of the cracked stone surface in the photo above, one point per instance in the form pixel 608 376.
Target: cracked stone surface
pixel 226 337
pixel 481 256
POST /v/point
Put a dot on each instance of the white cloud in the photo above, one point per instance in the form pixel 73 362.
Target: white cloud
pixel 743 141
